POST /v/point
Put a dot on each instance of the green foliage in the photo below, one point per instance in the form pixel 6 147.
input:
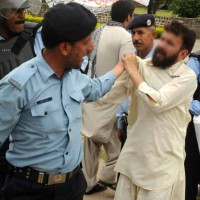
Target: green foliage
pixel 99 24
pixel 161 13
pixel 31 18
pixel 186 8
pixel 159 31
pixel 36 19
pixel 154 5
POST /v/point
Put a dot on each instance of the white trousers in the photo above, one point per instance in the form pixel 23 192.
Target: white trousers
pixel 129 191
pixel 91 159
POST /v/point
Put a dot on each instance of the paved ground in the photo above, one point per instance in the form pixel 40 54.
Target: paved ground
pixel 109 194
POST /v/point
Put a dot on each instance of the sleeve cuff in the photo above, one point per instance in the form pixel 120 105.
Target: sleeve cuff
pixel 111 75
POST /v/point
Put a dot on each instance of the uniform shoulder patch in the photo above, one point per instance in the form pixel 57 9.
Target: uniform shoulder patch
pixel 20 77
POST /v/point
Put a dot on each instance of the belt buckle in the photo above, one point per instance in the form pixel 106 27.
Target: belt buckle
pixel 40 177
pixel 56 178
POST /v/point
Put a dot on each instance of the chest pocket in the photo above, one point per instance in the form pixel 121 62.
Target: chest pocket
pixel 76 99
pixel 46 116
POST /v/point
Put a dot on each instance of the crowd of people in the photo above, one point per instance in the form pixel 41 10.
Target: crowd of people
pixel 128 90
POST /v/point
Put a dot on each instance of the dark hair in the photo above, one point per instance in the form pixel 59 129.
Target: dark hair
pixel 179 29
pixel 121 10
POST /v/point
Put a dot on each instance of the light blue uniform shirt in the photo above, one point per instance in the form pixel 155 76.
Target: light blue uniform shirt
pixel 43 114
pixel 38 45
pixel 125 105
pixel 194 64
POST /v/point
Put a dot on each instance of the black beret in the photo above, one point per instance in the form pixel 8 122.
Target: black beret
pixel 69 22
pixel 145 20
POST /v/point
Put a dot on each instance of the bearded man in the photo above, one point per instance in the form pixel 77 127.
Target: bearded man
pixel 151 163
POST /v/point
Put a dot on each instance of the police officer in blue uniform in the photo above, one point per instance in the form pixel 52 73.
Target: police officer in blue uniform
pixel 15 36
pixel 192 161
pixel 15 48
pixel 41 105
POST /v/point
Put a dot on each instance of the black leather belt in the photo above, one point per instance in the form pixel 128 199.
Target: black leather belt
pixel 43 178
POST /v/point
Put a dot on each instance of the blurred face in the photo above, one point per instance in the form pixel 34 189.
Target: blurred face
pixel 15 23
pixel 168 50
pixel 143 38
pixel 79 49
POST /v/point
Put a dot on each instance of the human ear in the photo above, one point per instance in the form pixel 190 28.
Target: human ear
pixel 65 48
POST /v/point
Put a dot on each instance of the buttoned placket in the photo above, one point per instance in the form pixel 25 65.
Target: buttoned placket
pixel 65 102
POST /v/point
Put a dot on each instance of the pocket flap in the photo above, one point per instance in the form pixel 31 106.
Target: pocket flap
pixel 43 109
pixel 77 96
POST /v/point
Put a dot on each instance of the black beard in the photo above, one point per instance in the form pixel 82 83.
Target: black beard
pixel 164 62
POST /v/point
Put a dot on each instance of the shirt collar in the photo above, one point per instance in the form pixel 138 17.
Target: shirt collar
pixel 45 70
pixel 149 55
pixel 174 67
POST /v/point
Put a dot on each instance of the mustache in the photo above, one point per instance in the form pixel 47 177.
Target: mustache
pixel 160 51
pixel 22 21
pixel 137 43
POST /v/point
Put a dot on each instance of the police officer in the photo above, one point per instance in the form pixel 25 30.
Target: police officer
pixel 143 33
pixel 192 161
pixel 15 48
pixel 41 103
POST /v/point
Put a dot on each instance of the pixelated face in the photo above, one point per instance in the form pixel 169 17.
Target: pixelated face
pixel 15 23
pixel 80 49
pixel 167 50
pixel 143 38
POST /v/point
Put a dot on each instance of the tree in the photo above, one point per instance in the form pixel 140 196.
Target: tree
pixel 186 8
pixel 154 5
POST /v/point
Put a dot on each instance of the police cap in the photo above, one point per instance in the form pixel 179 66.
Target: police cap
pixel 144 20
pixel 69 22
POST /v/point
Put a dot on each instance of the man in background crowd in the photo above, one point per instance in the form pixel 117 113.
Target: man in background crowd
pixel 192 161
pixel 16 47
pixel 111 41
pixel 143 34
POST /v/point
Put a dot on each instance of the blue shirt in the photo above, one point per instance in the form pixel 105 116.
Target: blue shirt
pixel 38 45
pixel 194 64
pixel 43 112
pixel 125 105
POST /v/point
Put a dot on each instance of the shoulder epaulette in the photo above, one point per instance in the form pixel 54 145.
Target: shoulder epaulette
pixel 20 78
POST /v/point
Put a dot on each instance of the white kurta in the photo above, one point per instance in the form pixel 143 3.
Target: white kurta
pixel 154 151
pixel 98 121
